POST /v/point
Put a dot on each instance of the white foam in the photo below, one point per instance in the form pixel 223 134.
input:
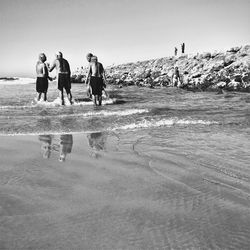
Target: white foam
pixel 57 102
pixel 118 113
pixel 163 122
pixel 18 81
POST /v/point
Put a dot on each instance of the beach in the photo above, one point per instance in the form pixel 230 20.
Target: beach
pixel 138 172
pixel 120 192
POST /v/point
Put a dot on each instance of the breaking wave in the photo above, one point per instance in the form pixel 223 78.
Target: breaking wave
pixel 164 122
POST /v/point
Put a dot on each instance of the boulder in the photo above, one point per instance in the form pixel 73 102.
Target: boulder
pixel 234 49
pixel 206 55
pixel 233 85
pixel 217 66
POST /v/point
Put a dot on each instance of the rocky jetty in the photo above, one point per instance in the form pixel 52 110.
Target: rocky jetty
pixel 229 70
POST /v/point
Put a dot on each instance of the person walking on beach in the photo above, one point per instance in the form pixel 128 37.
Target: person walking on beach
pixel 176 78
pixel 175 51
pixel 183 48
pixel 96 77
pixel 63 76
pixel 42 77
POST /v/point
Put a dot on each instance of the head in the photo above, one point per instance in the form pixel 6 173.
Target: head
pixel 94 59
pixel 42 57
pixel 59 55
pixel 176 68
pixel 88 56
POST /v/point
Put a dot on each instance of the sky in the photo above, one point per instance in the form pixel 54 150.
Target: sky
pixel 117 31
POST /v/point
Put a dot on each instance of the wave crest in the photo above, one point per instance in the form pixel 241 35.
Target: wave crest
pixel 164 122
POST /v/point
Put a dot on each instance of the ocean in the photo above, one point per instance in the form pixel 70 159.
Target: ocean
pixel 177 162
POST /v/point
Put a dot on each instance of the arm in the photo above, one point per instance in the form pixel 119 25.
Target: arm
pixel 88 74
pixel 44 71
pixel 104 78
pixel 103 75
pixel 69 69
pixel 53 66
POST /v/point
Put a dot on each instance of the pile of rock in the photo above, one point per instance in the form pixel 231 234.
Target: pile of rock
pixel 79 75
pixel 206 71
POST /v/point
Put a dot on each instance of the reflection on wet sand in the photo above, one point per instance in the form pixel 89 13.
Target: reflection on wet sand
pixel 63 145
pixel 97 142
pixel 46 141
pixel 66 144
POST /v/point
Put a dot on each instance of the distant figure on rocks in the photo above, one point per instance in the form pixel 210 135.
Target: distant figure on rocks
pixel 97 80
pixel 175 51
pixel 42 77
pixel 176 80
pixel 183 48
pixel 63 76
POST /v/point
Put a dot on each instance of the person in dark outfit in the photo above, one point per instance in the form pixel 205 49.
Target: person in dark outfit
pixel 176 77
pixel 97 77
pixel 63 76
pixel 42 77
pixel 183 48
pixel 175 51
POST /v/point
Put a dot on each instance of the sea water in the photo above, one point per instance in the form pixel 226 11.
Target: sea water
pixel 198 141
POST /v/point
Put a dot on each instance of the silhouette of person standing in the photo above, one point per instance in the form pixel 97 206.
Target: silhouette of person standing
pixel 175 51
pixel 183 48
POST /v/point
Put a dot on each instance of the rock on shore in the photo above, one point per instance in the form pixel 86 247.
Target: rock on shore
pixel 207 71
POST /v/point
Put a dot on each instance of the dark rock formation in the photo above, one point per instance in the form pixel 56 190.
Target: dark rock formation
pixel 207 71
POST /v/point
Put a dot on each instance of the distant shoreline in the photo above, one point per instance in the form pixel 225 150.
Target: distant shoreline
pixel 9 78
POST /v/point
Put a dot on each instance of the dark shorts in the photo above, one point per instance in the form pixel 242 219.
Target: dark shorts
pixel 64 82
pixel 41 84
pixel 96 84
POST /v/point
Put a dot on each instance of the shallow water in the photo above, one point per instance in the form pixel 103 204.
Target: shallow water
pixel 152 169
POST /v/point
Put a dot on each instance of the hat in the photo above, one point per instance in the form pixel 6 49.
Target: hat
pixel 59 53
pixel 89 55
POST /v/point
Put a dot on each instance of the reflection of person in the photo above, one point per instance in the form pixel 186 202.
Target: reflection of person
pixel 97 77
pixel 63 75
pixel 66 144
pixel 46 145
pixel 97 142
pixel 42 77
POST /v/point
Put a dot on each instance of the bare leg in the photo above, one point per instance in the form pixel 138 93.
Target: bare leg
pixel 94 99
pixel 39 96
pixel 45 96
pixel 61 96
pixel 100 100
pixel 69 95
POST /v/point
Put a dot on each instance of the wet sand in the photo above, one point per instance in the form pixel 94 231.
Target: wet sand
pixel 110 193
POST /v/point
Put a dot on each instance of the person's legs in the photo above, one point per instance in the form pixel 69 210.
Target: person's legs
pixel 45 96
pixel 95 98
pixel 61 96
pixel 100 100
pixel 69 95
pixel 39 96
